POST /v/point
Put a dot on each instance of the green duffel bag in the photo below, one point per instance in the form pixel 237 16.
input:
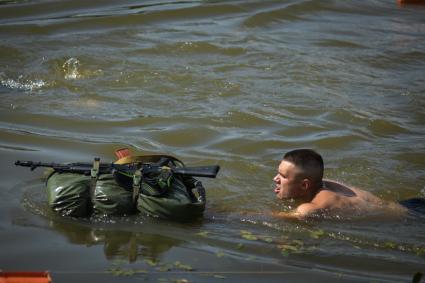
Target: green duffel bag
pixel 112 199
pixel 184 199
pixel 69 195
pixel 159 193
pixel 164 194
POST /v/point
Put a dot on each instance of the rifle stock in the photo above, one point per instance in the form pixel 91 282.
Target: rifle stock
pixel 200 171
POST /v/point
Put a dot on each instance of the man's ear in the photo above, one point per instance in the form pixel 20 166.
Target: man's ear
pixel 306 184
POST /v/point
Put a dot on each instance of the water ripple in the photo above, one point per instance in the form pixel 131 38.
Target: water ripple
pixel 234 83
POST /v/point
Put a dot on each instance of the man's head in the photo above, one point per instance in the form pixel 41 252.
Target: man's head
pixel 299 175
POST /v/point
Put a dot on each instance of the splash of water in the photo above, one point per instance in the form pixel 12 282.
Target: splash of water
pixel 21 83
pixel 70 68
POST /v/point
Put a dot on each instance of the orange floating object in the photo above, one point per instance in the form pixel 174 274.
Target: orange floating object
pixel 25 277
pixel 407 2
pixel 123 152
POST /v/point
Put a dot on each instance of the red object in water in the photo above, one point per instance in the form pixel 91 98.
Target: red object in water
pixel 123 152
pixel 414 2
pixel 25 277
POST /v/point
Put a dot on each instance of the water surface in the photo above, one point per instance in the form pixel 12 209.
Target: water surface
pixel 234 83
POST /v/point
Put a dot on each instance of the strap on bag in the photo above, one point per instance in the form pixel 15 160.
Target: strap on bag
pixel 137 181
pixel 94 173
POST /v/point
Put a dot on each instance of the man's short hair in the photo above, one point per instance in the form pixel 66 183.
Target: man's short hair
pixel 309 161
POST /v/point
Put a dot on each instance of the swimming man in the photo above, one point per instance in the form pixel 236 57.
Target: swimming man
pixel 300 176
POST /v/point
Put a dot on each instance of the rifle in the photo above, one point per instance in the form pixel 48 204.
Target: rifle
pixel 126 169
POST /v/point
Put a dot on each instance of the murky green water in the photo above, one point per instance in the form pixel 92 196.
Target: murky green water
pixel 235 83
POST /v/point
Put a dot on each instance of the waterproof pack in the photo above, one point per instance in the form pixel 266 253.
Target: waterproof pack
pixel 160 193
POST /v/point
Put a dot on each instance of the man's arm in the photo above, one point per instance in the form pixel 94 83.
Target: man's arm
pixel 302 212
pixel 291 215
pixel 308 209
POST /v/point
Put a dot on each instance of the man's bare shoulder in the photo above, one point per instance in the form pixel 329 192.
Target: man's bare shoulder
pixel 325 197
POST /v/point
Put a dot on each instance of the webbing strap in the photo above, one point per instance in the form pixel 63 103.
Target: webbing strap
pixel 137 181
pixel 94 173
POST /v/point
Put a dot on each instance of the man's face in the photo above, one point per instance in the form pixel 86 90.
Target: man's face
pixel 288 181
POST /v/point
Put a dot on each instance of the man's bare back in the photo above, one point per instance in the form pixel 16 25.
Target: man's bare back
pixel 336 199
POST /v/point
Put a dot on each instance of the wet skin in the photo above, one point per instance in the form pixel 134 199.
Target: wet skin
pixel 329 198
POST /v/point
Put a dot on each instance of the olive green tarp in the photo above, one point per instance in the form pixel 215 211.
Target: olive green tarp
pixel 179 197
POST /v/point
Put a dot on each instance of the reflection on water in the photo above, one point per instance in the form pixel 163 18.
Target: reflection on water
pixel 125 245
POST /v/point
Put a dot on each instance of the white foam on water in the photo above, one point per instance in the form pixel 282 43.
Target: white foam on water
pixel 21 83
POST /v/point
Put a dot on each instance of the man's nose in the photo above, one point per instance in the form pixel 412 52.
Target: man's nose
pixel 276 178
